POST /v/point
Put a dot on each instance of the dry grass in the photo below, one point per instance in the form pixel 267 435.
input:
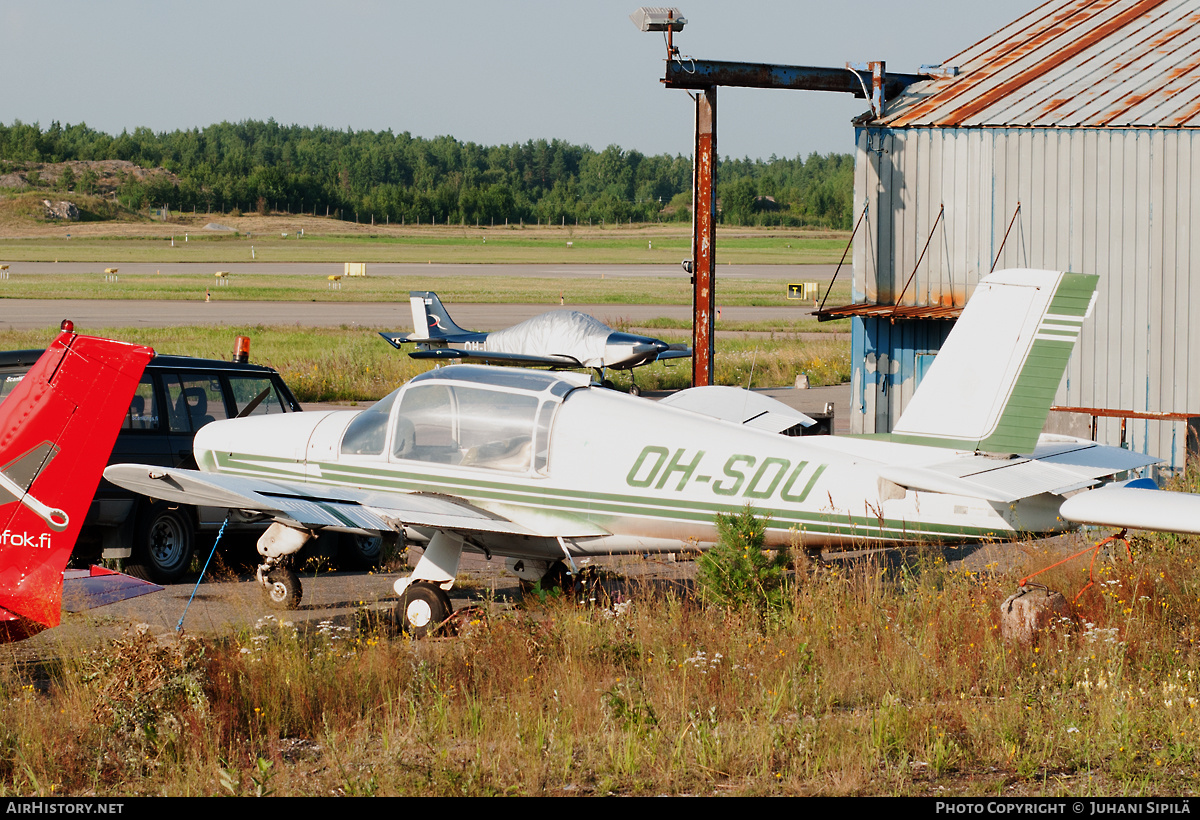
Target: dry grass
pixel 107 236
pixel 354 364
pixel 877 679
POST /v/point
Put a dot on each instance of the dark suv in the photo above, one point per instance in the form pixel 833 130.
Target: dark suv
pixel 176 397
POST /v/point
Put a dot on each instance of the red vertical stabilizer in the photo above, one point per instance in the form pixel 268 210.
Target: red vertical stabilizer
pixel 57 429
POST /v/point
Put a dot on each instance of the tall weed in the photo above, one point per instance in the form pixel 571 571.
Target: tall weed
pixel 875 677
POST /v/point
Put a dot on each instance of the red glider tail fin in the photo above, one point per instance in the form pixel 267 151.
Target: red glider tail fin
pixel 57 429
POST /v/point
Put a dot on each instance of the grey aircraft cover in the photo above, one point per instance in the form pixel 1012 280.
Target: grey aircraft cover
pixel 566 333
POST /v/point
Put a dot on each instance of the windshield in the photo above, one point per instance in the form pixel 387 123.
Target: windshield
pixel 466 425
pixel 365 436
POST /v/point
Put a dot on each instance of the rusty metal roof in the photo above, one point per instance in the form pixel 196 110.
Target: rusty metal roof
pixel 1071 63
pixel 890 311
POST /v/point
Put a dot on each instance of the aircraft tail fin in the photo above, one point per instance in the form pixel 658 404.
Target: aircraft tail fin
pixel 430 319
pixel 57 430
pixel 991 385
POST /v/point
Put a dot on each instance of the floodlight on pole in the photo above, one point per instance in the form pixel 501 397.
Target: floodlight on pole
pixel 660 18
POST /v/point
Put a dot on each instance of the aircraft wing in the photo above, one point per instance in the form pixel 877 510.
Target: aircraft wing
pixel 1136 509
pixel 313 505
pixel 495 357
pixel 739 406
pixel 1054 467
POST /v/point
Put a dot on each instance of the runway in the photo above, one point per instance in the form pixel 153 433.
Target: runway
pixel 91 315
pixel 783 273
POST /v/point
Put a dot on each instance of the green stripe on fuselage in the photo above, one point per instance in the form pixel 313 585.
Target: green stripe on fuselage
pixel 602 507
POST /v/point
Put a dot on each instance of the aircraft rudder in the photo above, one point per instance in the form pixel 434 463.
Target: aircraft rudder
pixel 992 384
pixel 430 316
pixel 57 430
pixel 420 314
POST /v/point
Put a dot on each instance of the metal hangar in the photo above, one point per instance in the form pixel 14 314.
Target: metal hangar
pixel 1067 140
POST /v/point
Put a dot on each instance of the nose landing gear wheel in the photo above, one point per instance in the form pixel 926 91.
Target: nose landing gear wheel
pixel 283 589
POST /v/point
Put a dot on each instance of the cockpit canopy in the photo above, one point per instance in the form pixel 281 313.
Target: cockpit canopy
pixel 491 418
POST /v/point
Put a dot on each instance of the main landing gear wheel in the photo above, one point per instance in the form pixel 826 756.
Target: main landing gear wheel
pixel 634 390
pixel 558 576
pixel 283 589
pixel 422 609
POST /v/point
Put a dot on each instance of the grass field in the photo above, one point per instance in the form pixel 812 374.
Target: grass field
pixel 354 364
pixel 332 241
pixel 665 290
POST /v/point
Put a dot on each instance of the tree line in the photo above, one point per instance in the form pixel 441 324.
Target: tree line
pixel 380 175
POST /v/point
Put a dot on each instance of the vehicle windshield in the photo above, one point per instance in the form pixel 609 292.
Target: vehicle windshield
pixel 255 395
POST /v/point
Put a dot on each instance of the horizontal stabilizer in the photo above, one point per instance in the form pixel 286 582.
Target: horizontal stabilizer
pixel 1135 509
pixel 1058 466
pixel 398 340
pixel 89 588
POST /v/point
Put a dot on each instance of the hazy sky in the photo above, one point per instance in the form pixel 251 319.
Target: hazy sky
pixel 488 72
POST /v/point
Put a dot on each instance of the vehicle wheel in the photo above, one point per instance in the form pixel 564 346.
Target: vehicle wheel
pixel 634 390
pixel 364 552
pixel 283 588
pixel 422 609
pixel 162 545
pixel 607 384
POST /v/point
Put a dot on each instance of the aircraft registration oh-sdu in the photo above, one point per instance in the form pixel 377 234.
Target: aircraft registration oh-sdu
pixel 542 468
pixel 559 339
pixel 57 429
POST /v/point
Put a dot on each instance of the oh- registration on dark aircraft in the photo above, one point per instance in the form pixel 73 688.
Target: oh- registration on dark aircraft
pixel 541 467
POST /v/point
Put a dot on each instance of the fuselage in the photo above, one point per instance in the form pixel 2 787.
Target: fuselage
pixel 620 350
pixel 608 472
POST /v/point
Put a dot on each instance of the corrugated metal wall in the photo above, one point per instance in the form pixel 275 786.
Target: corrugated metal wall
pixel 1116 202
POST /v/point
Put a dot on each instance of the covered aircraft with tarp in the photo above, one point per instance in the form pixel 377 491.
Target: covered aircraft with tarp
pixel 560 339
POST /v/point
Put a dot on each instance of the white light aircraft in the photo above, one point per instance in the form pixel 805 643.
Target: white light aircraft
pixel 560 339
pixel 544 468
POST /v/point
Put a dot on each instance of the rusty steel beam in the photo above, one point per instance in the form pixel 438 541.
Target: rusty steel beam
pixel 704 237
pixel 1104 412
pixel 700 74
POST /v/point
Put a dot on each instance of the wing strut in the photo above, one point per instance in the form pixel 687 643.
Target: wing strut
pixel 567 555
